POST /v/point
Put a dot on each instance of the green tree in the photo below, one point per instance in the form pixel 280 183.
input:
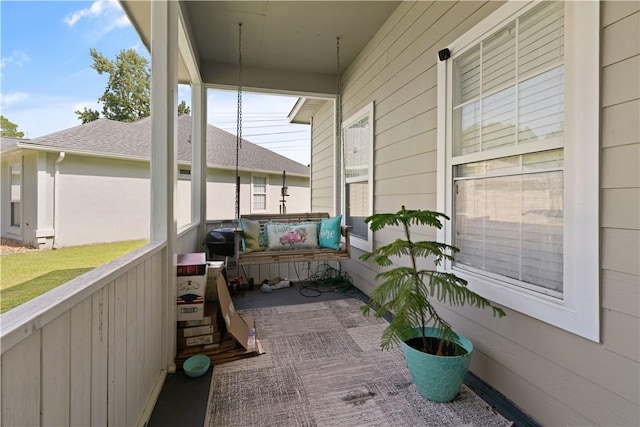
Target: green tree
pixel 128 92
pixel 9 129
pixel 127 96
pixel 183 108
pixel 88 115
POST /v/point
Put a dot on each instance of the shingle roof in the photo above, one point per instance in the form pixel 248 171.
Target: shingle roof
pixel 8 142
pixel 133 140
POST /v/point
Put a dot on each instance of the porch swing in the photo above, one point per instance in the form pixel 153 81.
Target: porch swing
pixel 242 253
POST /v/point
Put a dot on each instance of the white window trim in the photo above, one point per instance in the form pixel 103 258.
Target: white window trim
pixel 579 311
pixel 368 110
pixel 266 193
pixel 12 229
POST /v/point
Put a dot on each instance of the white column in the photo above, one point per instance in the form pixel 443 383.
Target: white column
pixel 199 157
pixel 164 113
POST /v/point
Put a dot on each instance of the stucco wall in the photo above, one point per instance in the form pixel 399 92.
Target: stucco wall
pixel 106 200
pixel 221 193
pixel 102 200
pixel 557 377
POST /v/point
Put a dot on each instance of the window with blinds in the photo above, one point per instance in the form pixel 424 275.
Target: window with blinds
pixel 518 152
pixel 259 193
pixel 357 138
pixel 507 152
pixel 16 195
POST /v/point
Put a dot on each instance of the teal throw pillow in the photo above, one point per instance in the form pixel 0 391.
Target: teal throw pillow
pixel 329 236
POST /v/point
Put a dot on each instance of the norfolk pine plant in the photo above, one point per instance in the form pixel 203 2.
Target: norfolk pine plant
pixel 405 292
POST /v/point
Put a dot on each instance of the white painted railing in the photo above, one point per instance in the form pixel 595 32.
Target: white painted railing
pixel 89 352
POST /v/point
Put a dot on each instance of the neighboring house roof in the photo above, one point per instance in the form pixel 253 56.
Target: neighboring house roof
pixel 106 137
pixel 8 143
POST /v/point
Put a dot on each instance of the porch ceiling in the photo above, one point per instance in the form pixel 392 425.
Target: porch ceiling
pixel 287 46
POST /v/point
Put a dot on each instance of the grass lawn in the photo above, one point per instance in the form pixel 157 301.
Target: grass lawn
pixel 24 276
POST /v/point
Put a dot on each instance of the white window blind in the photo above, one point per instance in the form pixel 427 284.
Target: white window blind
pixel 508 89
pixel 356 171
pixel 16 195
pixel 259 193
pixel 518 152
pixel 357 149
pixel 508 115
pixel 508 216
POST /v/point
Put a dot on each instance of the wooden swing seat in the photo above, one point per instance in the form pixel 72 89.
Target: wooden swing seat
pixel 291 256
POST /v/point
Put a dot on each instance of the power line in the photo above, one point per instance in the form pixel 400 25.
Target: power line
pixel 273 133
pixel 282 140
pixel 251 121
pixel 272 126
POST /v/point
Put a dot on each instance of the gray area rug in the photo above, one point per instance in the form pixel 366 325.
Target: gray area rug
pixel 323 367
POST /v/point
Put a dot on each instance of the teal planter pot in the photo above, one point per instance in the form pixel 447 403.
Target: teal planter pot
pixel 438 378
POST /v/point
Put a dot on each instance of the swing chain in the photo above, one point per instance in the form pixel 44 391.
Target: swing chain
pixel 339 143
pixel 239 121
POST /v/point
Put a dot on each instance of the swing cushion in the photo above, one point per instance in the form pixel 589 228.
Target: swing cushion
pixel 302 235
pixel 329 235
pixel 251 236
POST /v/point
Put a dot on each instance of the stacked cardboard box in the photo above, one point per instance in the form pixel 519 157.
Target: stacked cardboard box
pixel 236 332
pixel 192 282
pixel 203 332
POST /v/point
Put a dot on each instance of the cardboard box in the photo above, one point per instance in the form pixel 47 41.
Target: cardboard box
pixel 193 264
pixel 236 325
pixel 199 340
pixel 234 342
pixel 190 299
pixel 215 269
pixel 211 317
pixel 192 282
pixel 196 330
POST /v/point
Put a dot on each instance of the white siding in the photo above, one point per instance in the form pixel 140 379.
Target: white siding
pixel 557 377
pixel 88 352
pixel 323 160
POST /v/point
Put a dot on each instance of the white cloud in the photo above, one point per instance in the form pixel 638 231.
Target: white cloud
pixel 108 11
pixel 17 58
pixel 97 8
pixel 9 99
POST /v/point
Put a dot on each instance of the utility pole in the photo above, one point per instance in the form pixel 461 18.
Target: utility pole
pixel 283 193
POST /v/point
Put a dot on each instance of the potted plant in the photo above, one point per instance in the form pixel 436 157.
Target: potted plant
pixel 437 357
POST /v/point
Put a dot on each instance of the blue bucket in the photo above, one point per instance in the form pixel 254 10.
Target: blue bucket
pixel 438 378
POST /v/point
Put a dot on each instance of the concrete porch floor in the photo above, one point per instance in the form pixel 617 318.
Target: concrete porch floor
pixel 183 400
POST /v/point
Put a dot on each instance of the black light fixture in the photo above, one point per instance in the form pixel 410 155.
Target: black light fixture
pixel 444 54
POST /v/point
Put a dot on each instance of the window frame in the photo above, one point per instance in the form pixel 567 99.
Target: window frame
pixel 16 229
pixel 579 310
pixel 365 112
pixel 266 193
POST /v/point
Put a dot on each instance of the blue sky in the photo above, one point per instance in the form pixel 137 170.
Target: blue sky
pixel 46 74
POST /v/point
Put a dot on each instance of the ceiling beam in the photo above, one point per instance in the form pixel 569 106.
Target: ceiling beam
pixel 269 80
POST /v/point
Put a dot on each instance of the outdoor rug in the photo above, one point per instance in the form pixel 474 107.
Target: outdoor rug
pixel 323 367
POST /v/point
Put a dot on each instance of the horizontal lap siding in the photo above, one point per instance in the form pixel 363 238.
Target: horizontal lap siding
pixel 558 377
pixel 620 195
pixel 323 159
pixel 96 363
